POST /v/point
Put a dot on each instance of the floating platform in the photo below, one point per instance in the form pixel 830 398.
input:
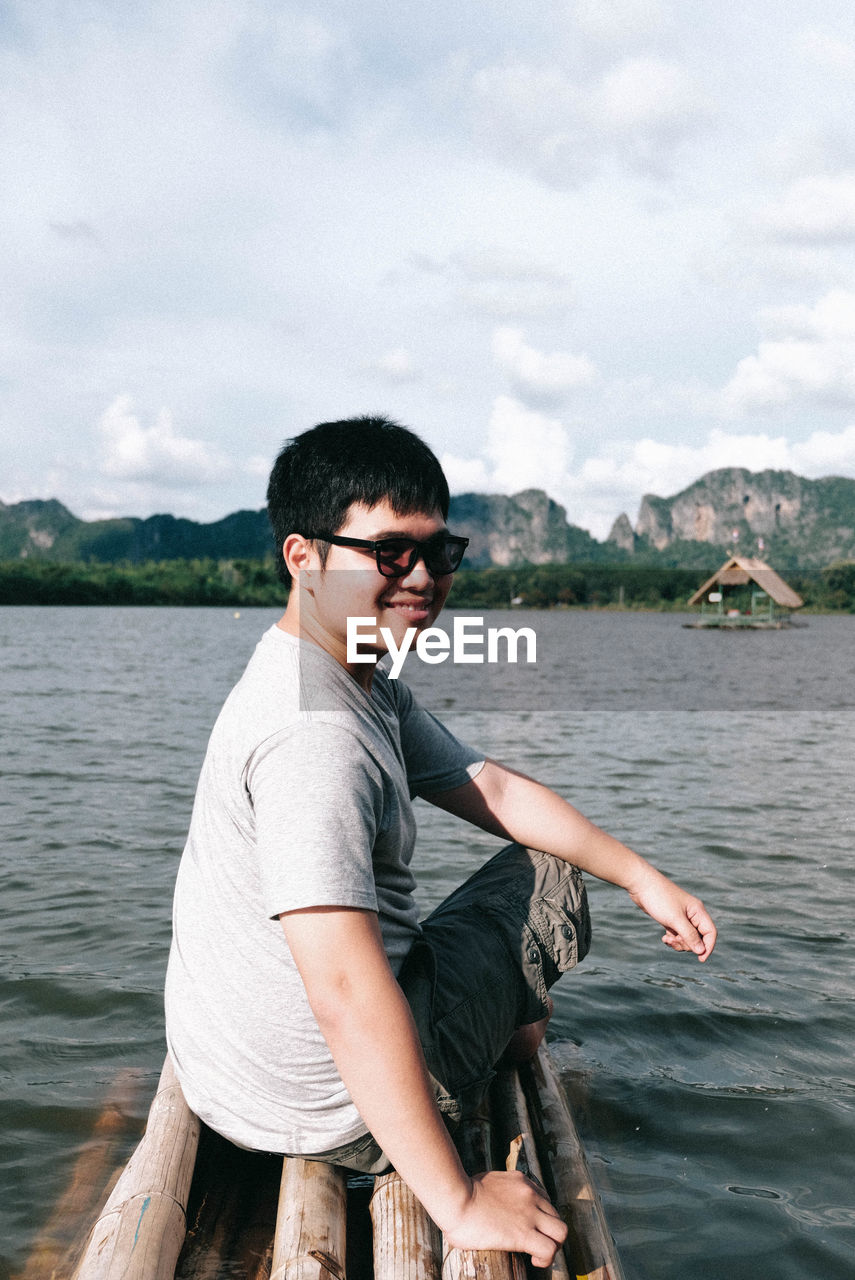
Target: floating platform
pixel 190 1206
pixel 741 622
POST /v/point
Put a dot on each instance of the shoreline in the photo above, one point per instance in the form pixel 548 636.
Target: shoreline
pixel 245 584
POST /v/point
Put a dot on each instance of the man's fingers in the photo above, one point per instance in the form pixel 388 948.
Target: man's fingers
pixel 697 934
pixel 542 1261
pixel 706 930
pixel 550 1239
pixel 555 1227
pixel 551 1229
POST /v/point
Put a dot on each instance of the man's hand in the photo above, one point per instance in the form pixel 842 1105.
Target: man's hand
pixel 510 1212
pixel 688 926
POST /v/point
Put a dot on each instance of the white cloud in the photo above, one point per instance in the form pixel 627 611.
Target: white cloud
pixel 806 148
pixel 397 366
pixel 816 209
pixel 536 373
pixel 561 128
pixel 531 116
pixel 825 453
pixel 258 465
pixel 134 452
pixel 783 371
pixel 644 94
pixel 832 318
pixel 810 356
pixel 827 51
pixel 618 21
pixel 524 449
pixel 464 475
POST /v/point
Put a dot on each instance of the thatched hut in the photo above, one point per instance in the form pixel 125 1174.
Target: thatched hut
pixel 745 592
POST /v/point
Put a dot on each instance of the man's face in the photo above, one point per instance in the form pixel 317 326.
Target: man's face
pixel 352 586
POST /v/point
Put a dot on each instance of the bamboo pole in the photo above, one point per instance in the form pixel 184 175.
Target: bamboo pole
pixel 475 1145
pixel 590 1250
pixel 311 1224
pixel 523 1155
pixel 140 1231
pixel 407 1242
pixel 60 1243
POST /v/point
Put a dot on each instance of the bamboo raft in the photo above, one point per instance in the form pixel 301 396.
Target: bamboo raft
pixel 190 1206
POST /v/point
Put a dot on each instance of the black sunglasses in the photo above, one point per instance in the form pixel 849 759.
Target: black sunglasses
pixel 396 557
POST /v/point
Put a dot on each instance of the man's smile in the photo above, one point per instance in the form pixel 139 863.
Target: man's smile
pixel 413 608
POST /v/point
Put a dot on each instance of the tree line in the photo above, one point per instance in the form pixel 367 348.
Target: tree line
pixel 239 583
pixel 229 583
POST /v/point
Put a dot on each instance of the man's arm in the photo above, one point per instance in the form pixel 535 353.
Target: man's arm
pixel 515 807
pixel 366 1021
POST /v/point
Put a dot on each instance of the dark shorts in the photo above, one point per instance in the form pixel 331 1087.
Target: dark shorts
pixel 481 967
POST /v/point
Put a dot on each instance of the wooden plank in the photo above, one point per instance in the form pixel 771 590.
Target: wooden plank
pixel 591 1253
pixel 407 1242
pixel 513 1115
pixel 140 1231
pixel 311 1224
pixel 467 1264
pixel 475 1147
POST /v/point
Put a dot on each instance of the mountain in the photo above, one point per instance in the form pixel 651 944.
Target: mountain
pixel 49 530
pixel 788 520
pixel 784 518
pixel 528 527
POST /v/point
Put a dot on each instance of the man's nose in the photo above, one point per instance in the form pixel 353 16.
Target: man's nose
pixel 418 577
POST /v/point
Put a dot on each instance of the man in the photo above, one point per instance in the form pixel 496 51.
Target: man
pixel 307 1009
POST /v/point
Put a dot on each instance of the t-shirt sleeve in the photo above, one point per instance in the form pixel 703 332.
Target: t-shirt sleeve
pixel 435 759
pixel 317 795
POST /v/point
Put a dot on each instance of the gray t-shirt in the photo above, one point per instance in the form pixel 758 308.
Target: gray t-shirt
pixel 304 800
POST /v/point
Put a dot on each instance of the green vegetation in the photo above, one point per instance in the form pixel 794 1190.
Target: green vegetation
pixel 243 583
pixel 839 586
pixel 169 582
pixel 592 585
pixel 631 586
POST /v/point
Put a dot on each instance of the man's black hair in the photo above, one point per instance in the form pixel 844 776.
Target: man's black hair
pixel 319 475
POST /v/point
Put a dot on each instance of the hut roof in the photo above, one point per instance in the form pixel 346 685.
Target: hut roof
pixel 740 570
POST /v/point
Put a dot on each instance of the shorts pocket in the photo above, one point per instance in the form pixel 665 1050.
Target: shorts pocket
pixel 562 922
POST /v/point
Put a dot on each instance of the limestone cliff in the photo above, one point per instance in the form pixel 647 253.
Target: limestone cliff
pixel 528 527
pixel 621 533
pixel 775 513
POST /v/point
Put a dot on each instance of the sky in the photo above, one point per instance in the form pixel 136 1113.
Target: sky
pixel 598 247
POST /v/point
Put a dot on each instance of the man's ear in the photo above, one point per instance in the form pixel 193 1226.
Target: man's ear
pixel 299 554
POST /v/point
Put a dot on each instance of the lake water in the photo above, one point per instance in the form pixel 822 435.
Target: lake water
pixel 716 1101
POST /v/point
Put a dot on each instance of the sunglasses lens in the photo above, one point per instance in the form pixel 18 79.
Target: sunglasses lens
pixel 396 556
pixel 444 555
